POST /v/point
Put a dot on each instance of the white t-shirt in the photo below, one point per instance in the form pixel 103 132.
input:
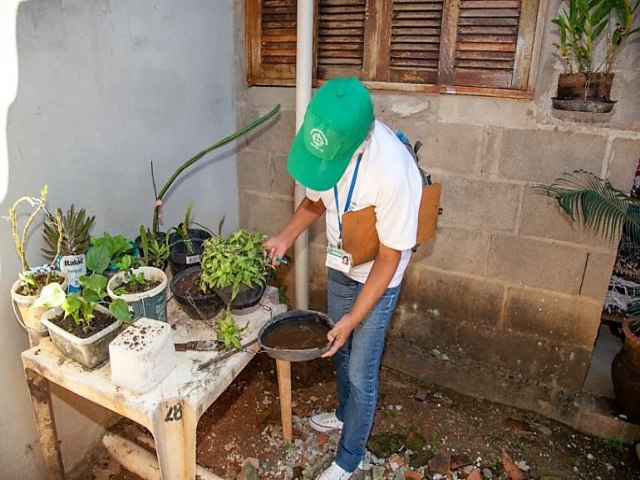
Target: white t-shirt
pixel 388 178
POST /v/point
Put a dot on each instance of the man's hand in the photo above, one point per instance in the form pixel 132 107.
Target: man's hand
pixel 339 335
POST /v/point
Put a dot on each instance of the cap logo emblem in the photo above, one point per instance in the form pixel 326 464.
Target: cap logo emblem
pixel 318 139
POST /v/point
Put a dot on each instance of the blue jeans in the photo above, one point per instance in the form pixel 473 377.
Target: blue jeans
pixel 357 365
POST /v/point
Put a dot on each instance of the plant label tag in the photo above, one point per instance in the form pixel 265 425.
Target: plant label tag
pixel 192 259
pixel 338 259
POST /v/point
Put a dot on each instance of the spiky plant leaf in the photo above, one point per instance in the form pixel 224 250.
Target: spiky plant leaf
pixel 596 204
pixel 74 227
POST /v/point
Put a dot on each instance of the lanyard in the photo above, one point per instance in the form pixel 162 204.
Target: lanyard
pixel 349 195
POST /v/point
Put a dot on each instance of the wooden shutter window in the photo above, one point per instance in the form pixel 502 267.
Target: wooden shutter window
pixel 453 46
pixel 415 41
pixel 270 32
pixel 340 38
pixel 486 43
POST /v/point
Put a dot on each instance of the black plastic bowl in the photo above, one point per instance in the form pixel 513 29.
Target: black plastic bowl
pixel 313 327
pixel 197 305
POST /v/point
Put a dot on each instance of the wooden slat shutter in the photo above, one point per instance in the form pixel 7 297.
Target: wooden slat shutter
pixel 480 46
pixel 415 41
pixel 340 38
pixel 270 32
pixel 486 46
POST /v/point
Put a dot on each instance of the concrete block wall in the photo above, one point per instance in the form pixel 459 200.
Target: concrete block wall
pixel 509 293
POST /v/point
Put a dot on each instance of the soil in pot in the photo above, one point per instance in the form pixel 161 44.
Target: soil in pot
pixel 41 279
pixel 199 305
pixel 101 320
pixel 145 286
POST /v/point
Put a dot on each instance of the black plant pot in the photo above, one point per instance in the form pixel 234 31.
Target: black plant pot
pixel 247 297
pixel 199 305
pixel 186 253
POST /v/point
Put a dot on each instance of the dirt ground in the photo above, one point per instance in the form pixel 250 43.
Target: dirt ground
pixel 420 431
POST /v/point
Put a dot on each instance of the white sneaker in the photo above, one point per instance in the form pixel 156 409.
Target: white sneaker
pixel 325 422
pixel 335 472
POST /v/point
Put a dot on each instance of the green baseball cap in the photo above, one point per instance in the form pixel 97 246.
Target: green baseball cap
pixel 336 122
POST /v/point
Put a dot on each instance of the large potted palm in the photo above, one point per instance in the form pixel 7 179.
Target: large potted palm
pixel 591 34
pixel 609 212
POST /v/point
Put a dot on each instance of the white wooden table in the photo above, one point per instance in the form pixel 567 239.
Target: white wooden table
pixel 171 410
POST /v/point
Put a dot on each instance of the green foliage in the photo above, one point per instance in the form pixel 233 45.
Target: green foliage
pixel 155 251
pixel 602 209
pixel 588 27
pixel 228 332
pixel 615 443
pixel 236 260
pixel 28 283
pixel 66 234
pixel 109 251
pixel 595 203
pixel 131 279
pixel 81 305
pixel 228 139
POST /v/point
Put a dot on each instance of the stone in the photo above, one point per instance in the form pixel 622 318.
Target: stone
pixel 249 470
pixel 439 464
pixel 412 475
pixel 377 473
pixel 142 356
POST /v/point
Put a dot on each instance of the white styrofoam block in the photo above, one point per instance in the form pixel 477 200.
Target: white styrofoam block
pixel 142 355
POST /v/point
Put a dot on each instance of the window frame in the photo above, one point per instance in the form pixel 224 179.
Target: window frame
pixel 525 66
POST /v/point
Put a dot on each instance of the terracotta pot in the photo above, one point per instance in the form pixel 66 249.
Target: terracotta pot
pixel 625 373
pixel 584 92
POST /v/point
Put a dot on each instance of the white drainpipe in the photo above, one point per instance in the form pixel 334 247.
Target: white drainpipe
pixel 304 65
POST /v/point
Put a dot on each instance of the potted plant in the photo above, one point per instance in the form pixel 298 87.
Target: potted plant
pixel 31 281
pixel 144 289
pixel 236 267
pixel 186 242
pixel 591 34
pixel 108 254
pixel 198 304
pixel 153 249
pixel 67 238
pixel 80 324
pixel 608 211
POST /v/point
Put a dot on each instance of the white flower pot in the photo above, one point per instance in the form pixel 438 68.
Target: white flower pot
pixel 27 316
pixel 150 304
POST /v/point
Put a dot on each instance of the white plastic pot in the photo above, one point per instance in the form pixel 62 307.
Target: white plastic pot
pixel 150 304
pixel 90 351
pixel 28 317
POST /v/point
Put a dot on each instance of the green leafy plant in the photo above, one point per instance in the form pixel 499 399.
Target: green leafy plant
pixel 228 332
pixel 234 261
pixel 66 233
pixel 602 209
pixel 154 250
pixel 107 251
pixel 592 31
pixel 182 230
pixel 81 305
pixel 243 131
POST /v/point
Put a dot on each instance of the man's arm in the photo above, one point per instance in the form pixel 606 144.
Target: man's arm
pixel 384 266
pixel 307 212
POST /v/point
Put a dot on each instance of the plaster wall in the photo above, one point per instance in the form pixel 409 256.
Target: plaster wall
pixel 505 303
pixel 99 90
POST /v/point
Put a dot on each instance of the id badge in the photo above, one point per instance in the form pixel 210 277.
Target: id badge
pixel 338 259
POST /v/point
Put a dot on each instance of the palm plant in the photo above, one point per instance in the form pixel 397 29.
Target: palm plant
pixel 602 209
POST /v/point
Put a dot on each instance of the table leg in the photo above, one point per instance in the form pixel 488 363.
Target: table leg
pixel 45 422
pixel 284 390
pixel 174 429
